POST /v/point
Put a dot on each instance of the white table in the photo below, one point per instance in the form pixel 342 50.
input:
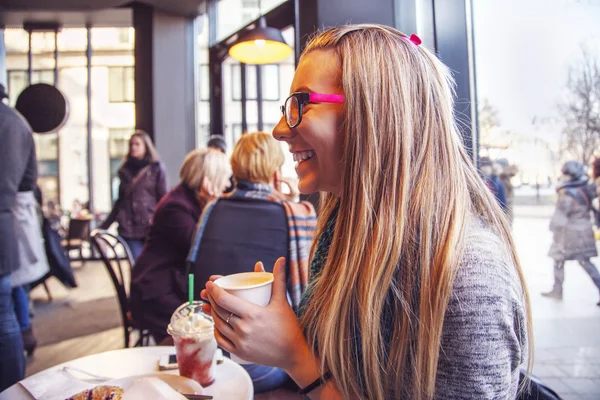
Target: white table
pixel 138 361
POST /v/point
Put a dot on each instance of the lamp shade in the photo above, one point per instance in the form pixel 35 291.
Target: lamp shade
pixel 262 45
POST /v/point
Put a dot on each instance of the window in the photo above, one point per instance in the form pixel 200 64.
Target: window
pixel 249 3
pixel 118 142
pixel 203 134
pixel 118 147
pixel 125 35
pixel 204 83
pixel 236 129
pixel 270 82
pixel 121 84
pixel 249 10
pixel 46 147
pixel 17 81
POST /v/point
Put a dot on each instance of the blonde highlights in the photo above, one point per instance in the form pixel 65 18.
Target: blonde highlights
pixel 205 163
pixel 408 189
pixel 256 158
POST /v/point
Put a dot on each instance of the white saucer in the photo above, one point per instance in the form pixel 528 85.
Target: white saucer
pixel 179 383
pixel 232 382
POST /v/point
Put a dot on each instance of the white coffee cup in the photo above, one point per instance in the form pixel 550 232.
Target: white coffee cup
pixel 254 287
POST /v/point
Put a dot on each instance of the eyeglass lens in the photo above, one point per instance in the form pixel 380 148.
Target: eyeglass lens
pixel 292 111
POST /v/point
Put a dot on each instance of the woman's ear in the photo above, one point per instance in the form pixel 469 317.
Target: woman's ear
pixel 277 180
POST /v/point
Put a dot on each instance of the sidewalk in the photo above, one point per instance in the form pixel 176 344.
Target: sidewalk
pixel 567 333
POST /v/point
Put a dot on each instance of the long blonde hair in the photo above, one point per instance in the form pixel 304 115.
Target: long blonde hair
pixel 408 189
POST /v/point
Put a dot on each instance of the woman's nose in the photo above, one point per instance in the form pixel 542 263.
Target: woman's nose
pixel 282 131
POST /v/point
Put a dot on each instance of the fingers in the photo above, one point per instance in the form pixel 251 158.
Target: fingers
pixel 225 328
pixel 259 267
pixel 224 342
pixel 218 310
pixel 214 277
pixel 220 298
pixel 279 281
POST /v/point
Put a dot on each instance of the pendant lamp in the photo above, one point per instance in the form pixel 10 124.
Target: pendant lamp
pixel 261 45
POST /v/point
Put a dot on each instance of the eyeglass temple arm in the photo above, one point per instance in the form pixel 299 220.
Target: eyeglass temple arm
pixel 326 98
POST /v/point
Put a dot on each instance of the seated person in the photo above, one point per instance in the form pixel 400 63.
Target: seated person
pixel 256 223
pixel 156 281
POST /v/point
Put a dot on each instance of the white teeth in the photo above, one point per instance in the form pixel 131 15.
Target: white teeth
pixel 303 155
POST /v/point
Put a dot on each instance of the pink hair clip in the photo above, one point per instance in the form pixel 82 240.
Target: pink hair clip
pixel 414 39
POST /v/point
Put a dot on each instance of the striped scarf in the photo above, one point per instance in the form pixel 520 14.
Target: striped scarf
pixel 302 222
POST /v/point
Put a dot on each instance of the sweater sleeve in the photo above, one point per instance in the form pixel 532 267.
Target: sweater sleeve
pixel 484 339
pixel 178 224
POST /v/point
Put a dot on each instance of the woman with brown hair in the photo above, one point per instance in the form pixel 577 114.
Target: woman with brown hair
pixel 416 290
pixel 143 182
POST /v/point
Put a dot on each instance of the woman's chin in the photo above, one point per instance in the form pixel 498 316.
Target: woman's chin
pixel 307 186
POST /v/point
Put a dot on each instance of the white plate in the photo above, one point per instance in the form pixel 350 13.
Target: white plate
pixel 179 383
pixel 232 382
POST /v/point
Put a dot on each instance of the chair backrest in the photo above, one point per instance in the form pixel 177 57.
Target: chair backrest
pixel 238 233
pixel 117 259
pixel 79 228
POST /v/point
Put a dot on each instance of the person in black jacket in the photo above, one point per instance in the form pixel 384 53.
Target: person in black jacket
pixel 156 281
pixel 143 183
pixel 17 155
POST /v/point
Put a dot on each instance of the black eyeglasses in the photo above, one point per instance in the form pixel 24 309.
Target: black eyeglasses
pixel 292 108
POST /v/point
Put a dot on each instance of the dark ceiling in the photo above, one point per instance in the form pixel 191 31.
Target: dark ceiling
pixel 14 12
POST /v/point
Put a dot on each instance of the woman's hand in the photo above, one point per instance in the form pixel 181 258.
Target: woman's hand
pixel 268 335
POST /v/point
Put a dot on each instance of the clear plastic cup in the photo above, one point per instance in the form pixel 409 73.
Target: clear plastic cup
pixel 195 344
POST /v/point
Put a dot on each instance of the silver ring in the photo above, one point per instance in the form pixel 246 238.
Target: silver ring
pixel 228 318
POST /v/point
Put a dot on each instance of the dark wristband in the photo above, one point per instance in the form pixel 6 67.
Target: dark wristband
pixel 320 380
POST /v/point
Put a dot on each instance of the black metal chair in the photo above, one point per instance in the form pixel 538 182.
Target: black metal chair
pixel 77 236
pixel 117 259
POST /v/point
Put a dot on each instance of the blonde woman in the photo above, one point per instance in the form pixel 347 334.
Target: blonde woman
pixel 255 222
pixel 416 290
pixel 158 284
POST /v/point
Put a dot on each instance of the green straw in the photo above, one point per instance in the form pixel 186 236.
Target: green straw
pixel 191 288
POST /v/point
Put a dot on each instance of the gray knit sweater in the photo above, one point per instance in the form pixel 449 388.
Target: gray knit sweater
pixel 484 339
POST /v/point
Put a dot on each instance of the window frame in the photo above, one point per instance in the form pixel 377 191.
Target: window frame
pixel 236 69
pixel 112 97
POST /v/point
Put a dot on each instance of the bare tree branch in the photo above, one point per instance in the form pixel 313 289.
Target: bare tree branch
pixel 580 110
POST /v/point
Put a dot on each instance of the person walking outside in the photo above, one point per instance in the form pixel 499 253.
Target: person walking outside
pixel 143 183
pixel 571 226
pixel 492 181
pixel 505 172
